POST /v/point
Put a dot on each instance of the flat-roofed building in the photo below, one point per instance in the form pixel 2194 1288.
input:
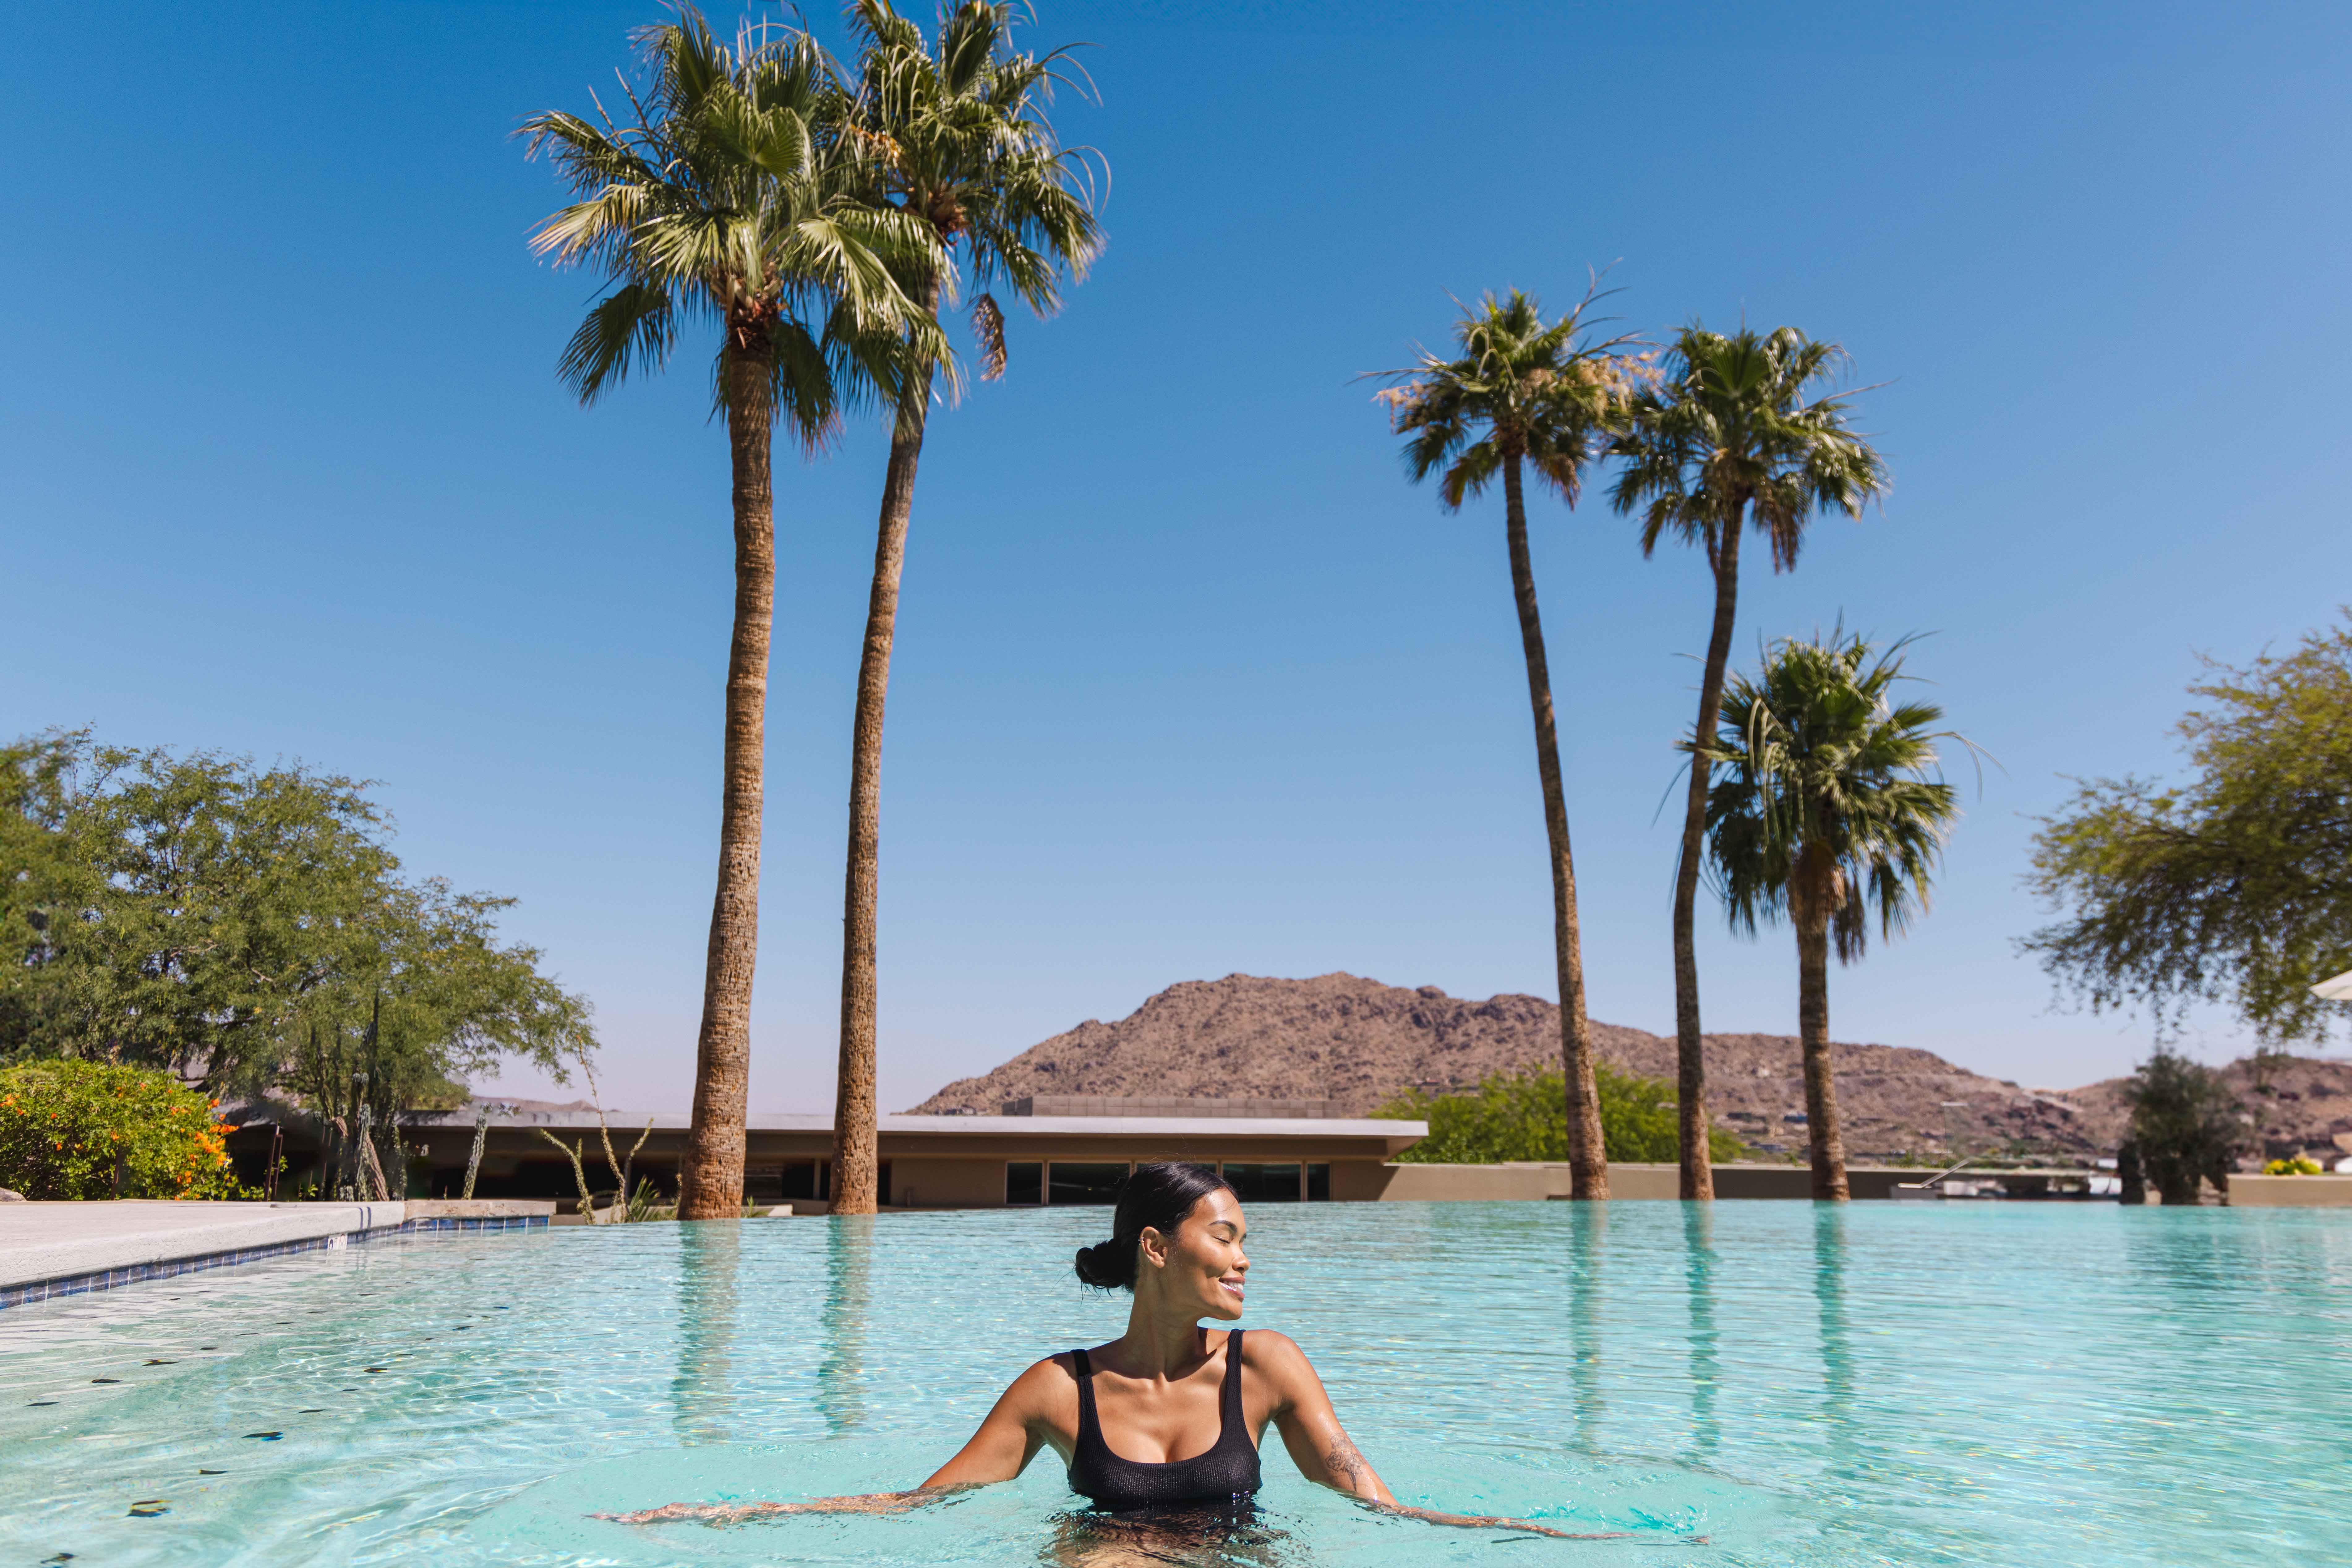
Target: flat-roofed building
pixel 931 1162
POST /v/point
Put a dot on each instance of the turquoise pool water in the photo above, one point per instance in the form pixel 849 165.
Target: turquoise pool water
pixel 1929 1384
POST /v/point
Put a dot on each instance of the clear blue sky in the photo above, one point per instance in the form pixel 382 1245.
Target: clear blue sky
pixel 1189 679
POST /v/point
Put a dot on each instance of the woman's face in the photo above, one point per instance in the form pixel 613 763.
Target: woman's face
pixel 1202 1265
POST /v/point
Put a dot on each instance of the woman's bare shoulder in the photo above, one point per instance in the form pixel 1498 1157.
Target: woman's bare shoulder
pixel 1046 1386
pixel 1269 1342
pixel 1275 1354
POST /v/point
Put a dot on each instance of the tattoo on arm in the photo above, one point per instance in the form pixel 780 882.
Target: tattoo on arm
pixel 1345 1462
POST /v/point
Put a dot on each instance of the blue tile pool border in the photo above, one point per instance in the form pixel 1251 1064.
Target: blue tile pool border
pixel 33 1290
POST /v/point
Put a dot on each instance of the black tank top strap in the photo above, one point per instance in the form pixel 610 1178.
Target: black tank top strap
pixel 1229 1410
pixel 1088 1423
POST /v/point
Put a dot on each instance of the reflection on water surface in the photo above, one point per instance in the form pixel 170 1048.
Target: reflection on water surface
pixel 1924 1383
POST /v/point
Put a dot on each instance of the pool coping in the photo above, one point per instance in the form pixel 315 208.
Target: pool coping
pixel 47 1251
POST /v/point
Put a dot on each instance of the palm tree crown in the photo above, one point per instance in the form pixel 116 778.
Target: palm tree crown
pixel 1727 427
pixel 1518 389
pixel 955 140
pixel 1823 805
pixel 730 196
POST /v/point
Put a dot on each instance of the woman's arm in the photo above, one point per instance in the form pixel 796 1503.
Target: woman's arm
pixel 1020 1424
pixel 737 1513
pixel 1322 1450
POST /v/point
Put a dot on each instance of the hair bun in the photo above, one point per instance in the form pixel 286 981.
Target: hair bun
pixel 1157 1195
pixel 1106 1266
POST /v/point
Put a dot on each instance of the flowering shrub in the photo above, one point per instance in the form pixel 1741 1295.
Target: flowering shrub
pixel 67 1127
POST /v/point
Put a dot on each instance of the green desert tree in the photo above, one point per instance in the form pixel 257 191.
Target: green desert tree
pixel 2229 887
pixel 1731 436
pixel 200 915
pixel 1823 811
pixel 1523 395
pixel 956 141
pixel 1520 1116
pixel 729 197
pixel 2186 1126
pixel 39 876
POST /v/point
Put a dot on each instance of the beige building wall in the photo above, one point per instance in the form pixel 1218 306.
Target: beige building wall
pixel 1469 1184
pixel 2290 1192
pixel 925 1182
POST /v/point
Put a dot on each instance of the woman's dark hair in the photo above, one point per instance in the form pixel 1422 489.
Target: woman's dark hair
pixel 1156 1197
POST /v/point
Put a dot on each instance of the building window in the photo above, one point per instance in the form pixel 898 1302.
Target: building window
pixel 1074 1183
pixel 1318 1184
pixel 1025 1181
pixel 797 1180
pixel 1264 1183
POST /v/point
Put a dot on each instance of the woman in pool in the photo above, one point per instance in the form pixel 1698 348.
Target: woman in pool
pixel 1168 1416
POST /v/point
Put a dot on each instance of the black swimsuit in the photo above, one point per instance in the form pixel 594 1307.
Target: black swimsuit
pixel 1226 1472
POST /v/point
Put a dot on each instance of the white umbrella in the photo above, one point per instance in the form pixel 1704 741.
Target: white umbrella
pixel 2336 990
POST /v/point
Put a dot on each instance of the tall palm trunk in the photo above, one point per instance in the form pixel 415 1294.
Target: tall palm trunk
pixel 856 1159
pixel 710 1177
pixel 1690 1058
pixel 1588 1155
pixel 1814 890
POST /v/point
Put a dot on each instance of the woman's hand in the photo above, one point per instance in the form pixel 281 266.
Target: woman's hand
pixel 1493 1522
pixel 707 1513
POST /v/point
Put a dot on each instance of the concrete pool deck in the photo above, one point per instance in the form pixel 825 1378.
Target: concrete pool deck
pixel 71 1249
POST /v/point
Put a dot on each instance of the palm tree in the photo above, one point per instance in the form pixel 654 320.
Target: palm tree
pixel 1724 437
pixel 1527 395
pixel 1824 814
pixel 728 197
pixel 955 141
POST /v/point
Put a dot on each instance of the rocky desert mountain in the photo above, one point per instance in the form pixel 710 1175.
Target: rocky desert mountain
pixel 1359 1042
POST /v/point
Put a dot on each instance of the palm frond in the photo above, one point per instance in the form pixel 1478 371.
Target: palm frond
pixel 630 329
pixel 988 326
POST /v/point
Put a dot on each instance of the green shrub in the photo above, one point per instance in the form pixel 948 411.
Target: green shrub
pixel 1524 1116
pixel 2297 1166
pixel 67 1127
